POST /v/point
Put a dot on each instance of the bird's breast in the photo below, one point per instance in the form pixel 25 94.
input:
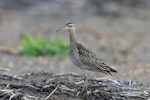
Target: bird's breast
pixel 74 58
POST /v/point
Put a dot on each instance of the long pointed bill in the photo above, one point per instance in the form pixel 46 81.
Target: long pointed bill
pixel 60 29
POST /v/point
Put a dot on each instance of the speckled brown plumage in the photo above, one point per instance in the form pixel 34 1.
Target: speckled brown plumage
pixel 92 62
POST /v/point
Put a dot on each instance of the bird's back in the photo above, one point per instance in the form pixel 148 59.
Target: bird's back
pixel 90 61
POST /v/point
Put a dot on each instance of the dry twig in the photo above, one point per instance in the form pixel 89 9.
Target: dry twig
pixel 69 86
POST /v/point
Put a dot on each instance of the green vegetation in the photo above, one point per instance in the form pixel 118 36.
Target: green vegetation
pixel 39 47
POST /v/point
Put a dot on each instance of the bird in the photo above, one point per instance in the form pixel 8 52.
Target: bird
pixel 83 57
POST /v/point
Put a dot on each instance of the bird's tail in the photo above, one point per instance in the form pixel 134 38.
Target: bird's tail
pixel 111 70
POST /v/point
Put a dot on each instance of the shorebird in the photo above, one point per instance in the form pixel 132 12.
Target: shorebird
pixel 84 58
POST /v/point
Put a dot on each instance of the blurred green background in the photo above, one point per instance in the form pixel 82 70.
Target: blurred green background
pixel 118 31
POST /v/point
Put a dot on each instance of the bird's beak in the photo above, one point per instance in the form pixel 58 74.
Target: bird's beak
pixel 60 29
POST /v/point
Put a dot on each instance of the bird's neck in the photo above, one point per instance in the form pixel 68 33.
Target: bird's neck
pixel 72 40
pixel 72 36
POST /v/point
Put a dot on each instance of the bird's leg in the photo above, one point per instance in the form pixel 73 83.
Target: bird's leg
pixel 85 80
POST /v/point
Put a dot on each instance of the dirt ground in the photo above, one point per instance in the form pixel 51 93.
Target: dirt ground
pixel 119 34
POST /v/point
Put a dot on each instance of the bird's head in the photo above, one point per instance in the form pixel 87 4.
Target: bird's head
pixel 68 26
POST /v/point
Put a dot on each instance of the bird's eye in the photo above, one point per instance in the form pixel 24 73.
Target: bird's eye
pixel 69 25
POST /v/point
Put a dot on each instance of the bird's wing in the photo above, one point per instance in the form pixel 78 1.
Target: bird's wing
pixel 86 56
pixel 89 59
